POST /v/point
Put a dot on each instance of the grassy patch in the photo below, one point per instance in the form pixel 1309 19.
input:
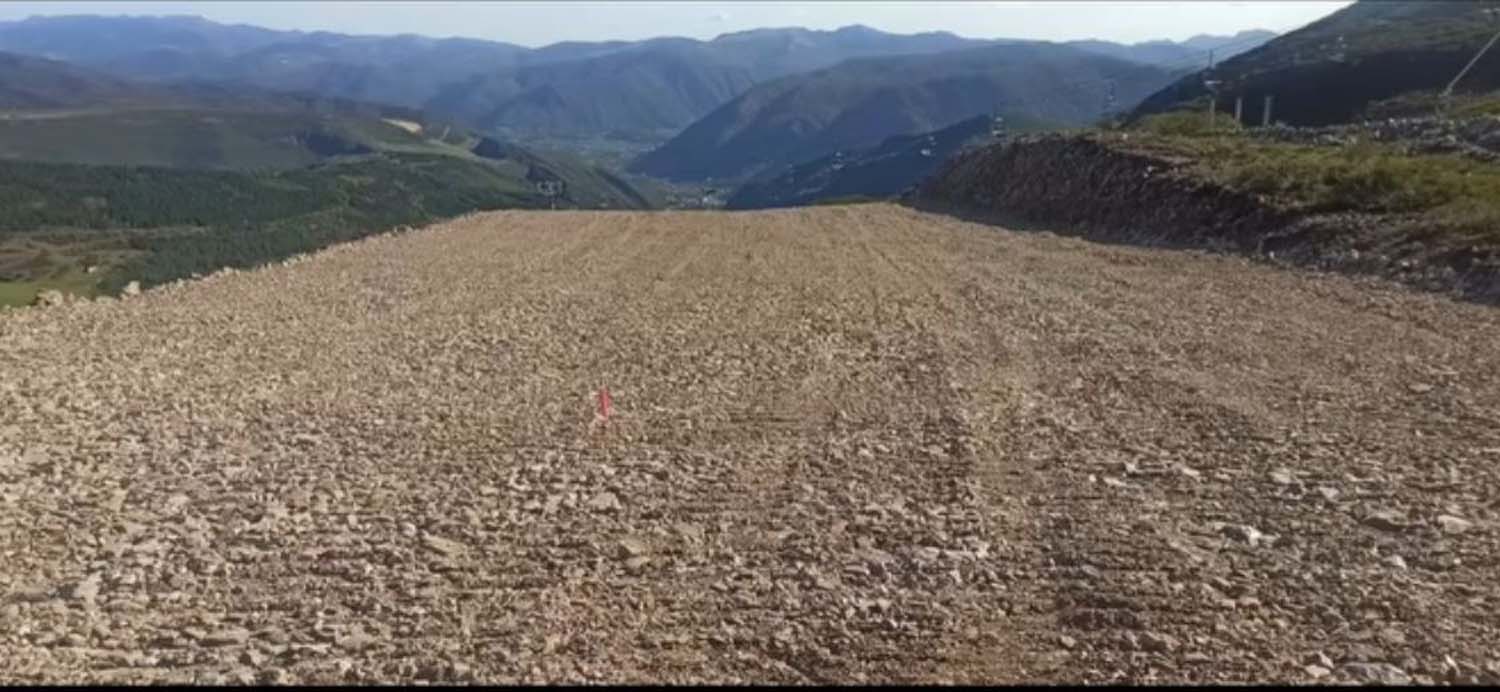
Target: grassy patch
pixel 74 261
pixel 1364 177
pixel 73 281
pixel 1417 104
pixel 1475 105
pixel 1189 123
pixel 1460 196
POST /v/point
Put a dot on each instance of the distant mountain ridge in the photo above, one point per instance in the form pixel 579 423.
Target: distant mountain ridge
pixel 651 88
pixel 858 103
pixel 28 83
pixel 33 84
pixel 1196 50
pixel 569 88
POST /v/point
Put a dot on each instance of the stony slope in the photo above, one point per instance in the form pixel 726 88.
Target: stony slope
pixel 849 445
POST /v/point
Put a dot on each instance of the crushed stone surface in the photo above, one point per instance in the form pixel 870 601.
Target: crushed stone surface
pixel 848 444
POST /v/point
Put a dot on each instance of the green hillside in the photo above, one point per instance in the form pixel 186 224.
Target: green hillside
pixel 1332 70
pixel 208 139
pixel 156 224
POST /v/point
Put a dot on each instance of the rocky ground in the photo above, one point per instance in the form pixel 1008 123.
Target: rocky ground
pixel 852 444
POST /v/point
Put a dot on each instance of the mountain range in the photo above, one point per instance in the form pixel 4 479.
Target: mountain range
pixel 57 113
pixel 641 89
pixel 858 103
pixel 1197 50
pixel 742 106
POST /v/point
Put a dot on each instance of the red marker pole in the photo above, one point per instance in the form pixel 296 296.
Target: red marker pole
pixel 606 407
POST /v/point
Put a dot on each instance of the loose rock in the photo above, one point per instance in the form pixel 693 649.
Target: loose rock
pixel 1378 673
pixel 605 502
pixel 1454 525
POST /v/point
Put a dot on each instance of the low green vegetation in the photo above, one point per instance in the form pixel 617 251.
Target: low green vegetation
pixel 1189 123
pixel 1419 104
pixel 356 200
pixel 157 225
pixel 1475 105
pixel 1457 196
pixel 72 261
pixel 1363 177
pixel 23 292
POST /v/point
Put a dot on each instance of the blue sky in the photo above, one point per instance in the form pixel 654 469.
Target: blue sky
pixel 539 23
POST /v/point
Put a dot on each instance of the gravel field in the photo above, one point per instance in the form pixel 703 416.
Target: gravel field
pixel 850 444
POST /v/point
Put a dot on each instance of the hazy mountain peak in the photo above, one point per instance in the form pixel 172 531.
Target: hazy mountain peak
pixel 857 29
pixel 760 32
pixel 1207 41
pixel 1244 33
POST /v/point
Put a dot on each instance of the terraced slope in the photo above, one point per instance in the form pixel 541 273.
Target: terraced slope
pixel 849 444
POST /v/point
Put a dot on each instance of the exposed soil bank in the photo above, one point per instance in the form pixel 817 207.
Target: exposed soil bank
pixel 1110 191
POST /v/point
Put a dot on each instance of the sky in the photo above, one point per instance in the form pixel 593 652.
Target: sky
pixel 540 23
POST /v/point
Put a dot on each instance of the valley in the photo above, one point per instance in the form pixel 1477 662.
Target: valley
pixel 584 121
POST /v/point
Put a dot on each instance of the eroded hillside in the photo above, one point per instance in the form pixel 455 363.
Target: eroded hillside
pixel 1389 200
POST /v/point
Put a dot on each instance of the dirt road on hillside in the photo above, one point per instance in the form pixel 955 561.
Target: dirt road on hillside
pixel 852 444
